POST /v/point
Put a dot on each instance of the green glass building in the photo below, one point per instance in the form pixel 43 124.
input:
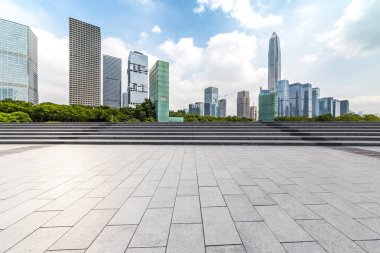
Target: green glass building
pixel 159 89
pixel 268 106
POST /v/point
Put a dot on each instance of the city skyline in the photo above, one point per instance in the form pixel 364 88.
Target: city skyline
pixel 188 79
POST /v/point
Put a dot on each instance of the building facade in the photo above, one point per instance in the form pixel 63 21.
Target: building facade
pixel 344 107
pixel 85 53
pixel 211 101
pixel 282 90
pixel 268 105
pixel 307 100
pixel 18 62
pixel 196 108
pixel 125 99
pixel 315 93
pixel 159 90
pixel 222 108
pixel 326 106
pixel 253 112
pixel 111 81
pixel 336 108
pixel 296 100
pixel 274 62
pixel 243 102
pixel 137 78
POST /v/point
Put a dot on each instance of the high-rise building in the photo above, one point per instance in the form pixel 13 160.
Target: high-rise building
pixel 307 100
pixel 18 62
pixel 326 106
pixel 211 101
pixel 344 107
pixel 282 90
pixel 125 99
pixel 137 78
pixel 315 101
pixel 111 81
pixel 336 108
pixel 253 112
pixel 268 105
pixel 159 90
pixel 197 108
pixel 274 62
pixel 296 100
pixel 243 102
pixel 85 53
pixel 222 108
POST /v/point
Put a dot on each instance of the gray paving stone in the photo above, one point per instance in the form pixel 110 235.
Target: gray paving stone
pixel 146 189
pixel 372 223
pixel 40 240
pixel 268 186
pixel 219 229
pixel 188 188
pixel 18 199
pixel 186 238
pixel 370 246
pixel 228 186
pixel 146 250
pixel 112 239
pixel 329 237
pixel 187 210
pixel 132 181
pixel 257 196
pixel 221 174
pixel 188 174
pixel 207 180
pixel 131 212
pixel 372 207
pixel 154 228
pixel 257 237
pixel 154 175
pixel 345 193
pixel 169 181
pixel 241 208
pixel 163 197
pixel 65 200
pixel 85 231
pixel 302 195
pixel 93 182
pixel 103 189
pixel 211 196
pixel 226 249
pixel 115 199
pixel 302 247
pixel 242 179
pixel 293 207
pixel 282 225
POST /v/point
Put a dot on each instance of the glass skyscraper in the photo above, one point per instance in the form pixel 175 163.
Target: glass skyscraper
pixel 18 62
pixel 344 107
pixel 222 108
pixel 159 90
pixel 296 100
pixel 197 108
pixel 336 108
pixel 274 62
pixel 243 103
pixel 211 101
pixel 137 78
pixel 268 105
pixel 85 58
pixel 282 90
pixel 326 106
pixel 315 101
pixel 111 81
pixel 307 100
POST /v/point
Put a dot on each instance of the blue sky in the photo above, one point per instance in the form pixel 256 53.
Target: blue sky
pixel 335 45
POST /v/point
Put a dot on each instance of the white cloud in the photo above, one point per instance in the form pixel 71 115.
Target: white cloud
pixel 357 32
pixel 368 104
pixel 144 36
pixel 241 10
pixel 310 58
pixel 156 29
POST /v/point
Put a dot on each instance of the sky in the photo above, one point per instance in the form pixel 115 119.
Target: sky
pixel 334 45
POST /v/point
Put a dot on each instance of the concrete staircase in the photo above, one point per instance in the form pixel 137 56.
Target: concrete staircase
pixel 278 133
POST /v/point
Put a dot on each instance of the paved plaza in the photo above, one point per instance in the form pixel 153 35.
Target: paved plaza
pixel 137 199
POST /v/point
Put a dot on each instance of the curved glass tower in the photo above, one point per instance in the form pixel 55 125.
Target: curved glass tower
pixel 274 62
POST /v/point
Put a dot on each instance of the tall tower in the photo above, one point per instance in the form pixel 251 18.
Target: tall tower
pixel 211 101
pixel 159 90
pixel 243 102
pixel 274 62
pixel 111 81
pixel 137 78
pixel 84 63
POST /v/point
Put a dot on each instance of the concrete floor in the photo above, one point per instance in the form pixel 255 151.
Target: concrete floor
pixel 188 199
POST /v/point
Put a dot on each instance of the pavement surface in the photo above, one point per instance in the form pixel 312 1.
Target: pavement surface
pixel 137 199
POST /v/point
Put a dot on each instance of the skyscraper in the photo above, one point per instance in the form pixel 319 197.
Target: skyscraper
pixel 85 50
pixel 159 90
pixel 243 102
pixel 274 62
pixel 268 105
pixel 296 100
pixel 222 108
pixel 315 101
pixel 307 100
pixel 336 108
pixel 211 101
pixel 282 89
pixel 111 81
pixel 197 108
pixel 253 113
pixel 18 62
pixel 344 107
pixel 326 106
pixel 137 78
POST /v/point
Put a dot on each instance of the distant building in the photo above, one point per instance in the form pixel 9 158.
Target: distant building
pixel 211 101
pixel 336 108
pixel 222 108
pixel 159 89
pixel 18 62
pixel 253 112
pixel 344 107
pixel 125 99
pixel 137 78
pixel 274 62
pixel 196 108
pixel 282 90
pixel 243 102
pixel 296 100
pixel 85 53
pixel 326 106
pixel 268 105
pixel 307 100
pixel 111 81
pixel 315 93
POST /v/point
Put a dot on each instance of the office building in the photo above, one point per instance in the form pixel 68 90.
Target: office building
pixel 336 108
pixel 282 90
pixel 18 62
pixel 344 107
pixel 159 90
pixel 111 81
pixel 268 105
pixel 307 100
pixel 85 50
pixel 296 100
pixel 211 101
pixel 315 93
pixel 243 102
pixel 326 106
pixel 125 99
pixel 196 108
pixel 253 113
pixel 222 108
pixel 137 78
pixel 274 62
